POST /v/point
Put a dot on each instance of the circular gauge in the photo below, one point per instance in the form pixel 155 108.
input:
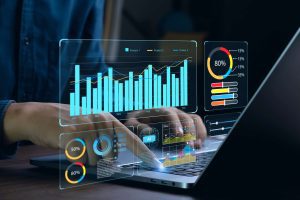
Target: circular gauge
pixel 219 57
pixel 75 173
pixel 75 149
pixel 102 145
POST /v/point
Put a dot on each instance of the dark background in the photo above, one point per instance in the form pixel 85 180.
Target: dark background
pixel 266 25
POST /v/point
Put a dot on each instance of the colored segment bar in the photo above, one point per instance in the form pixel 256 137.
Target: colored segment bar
pixel 110 89
pixel 77 90
pixel 150 85
pixel 224 96
pixel 120 97
pixel 130 88
pixel 136 95
pixel 140 92
pixel 158 91
pixel 105 94
pixel 72 104
pixel 88 95
pixel 155 90
pixel 224 84
pixel 224 102
pixel 223 90
pixel 146 92
pixel 116 94
pixel 99 87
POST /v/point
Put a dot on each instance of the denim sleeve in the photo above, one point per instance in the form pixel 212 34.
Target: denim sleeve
pixel 6 151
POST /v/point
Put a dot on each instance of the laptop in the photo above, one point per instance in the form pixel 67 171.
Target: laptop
pixel 261 147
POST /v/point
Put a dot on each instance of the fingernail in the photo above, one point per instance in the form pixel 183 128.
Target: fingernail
pixel 180 130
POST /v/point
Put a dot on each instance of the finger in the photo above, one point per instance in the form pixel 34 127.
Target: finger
pixel 141 127
pixel 200 129
pixel 135 145
pixel 89 139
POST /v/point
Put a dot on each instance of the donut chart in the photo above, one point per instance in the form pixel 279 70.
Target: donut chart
pixel 222 63
pixel 75 149
pixel 75 173
pixel 102 145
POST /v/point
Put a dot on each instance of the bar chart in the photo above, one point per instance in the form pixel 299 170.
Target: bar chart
pixel 133 91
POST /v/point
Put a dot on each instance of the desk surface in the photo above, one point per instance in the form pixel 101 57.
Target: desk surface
pixel 20 180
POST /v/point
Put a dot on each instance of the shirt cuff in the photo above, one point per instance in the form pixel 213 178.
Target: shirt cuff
pixel 6 151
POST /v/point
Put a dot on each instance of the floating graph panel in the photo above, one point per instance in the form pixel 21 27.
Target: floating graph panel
pixel 143 75
pixel 225 75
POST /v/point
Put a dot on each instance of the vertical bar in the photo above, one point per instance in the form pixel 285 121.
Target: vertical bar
pixel 177 92
pixel 140 92
pixel 99 87
pixel 181 87
pixel 136 95
pixel 158 91
pixel 173 89
pixel 130 91
pixel 155 91
pixel 95 102
pixel 110 89
pixel 146 90
pixel 88 95
pixel 150 85
pixel 105 94
pixel 164 95
pixel 77 89
pixel 168 87
pixel 185 67
pixel 120 97
pixel 126 96
pixel 83 106
pixel 116 93
pixel 72 104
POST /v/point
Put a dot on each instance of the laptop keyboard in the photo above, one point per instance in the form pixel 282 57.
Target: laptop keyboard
pixel 189 169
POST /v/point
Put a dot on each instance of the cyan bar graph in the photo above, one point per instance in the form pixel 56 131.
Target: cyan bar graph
pixel 120 97
pixel 146 98
pixel 72 104
pixel 105 96
pixel 88 96
pixel 150 86
pixel 77 89
pixel 110 89
pixel 95 101
pixel 173 90
pixel 159 91
pixel 148 89
pixel 126 96
pixel 155 97
pixel 140 92
pixel 116 93
pixel 136 95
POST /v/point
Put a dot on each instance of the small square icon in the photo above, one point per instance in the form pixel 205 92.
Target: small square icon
pixel 126 49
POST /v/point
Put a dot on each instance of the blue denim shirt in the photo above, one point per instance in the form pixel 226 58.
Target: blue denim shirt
pixel 30 31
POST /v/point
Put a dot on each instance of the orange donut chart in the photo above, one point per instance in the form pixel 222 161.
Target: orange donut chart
pixel 82 152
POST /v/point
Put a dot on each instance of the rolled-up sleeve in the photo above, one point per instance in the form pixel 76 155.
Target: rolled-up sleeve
pixel 6 151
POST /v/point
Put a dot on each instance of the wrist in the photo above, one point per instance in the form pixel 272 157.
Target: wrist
pixel 12 123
